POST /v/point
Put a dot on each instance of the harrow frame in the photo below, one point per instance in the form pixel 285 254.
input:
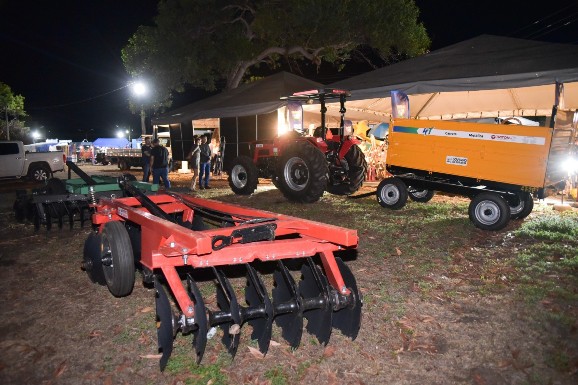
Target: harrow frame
pixel 168 242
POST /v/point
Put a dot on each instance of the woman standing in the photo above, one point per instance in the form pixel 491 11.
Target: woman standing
pixel 194 158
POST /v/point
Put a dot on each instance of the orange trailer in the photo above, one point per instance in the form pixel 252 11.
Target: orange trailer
pixel 498 166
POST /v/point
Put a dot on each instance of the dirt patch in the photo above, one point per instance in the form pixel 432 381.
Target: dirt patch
pixel 442 305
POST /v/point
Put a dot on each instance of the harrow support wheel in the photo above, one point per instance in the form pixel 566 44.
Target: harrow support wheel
pixel 118 260
pixel 92 260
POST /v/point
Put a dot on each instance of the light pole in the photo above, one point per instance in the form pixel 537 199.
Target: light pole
pixel 139 89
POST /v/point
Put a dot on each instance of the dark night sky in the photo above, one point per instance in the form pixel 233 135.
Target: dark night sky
pixel 64 56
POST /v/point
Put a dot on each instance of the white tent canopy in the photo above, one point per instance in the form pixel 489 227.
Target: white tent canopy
pixel 487 76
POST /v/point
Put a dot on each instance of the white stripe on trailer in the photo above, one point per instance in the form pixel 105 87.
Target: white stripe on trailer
pixel 538 140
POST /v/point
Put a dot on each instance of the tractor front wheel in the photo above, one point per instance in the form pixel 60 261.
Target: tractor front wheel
pixel 355 175
pixel 117 259
pixel 243 178
pixel 302 172
pixel 392 193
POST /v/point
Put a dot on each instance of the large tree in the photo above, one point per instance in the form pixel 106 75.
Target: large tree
pixel 211 43
pixel 12 107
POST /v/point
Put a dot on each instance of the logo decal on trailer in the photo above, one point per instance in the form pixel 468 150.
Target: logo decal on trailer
pixel 456 160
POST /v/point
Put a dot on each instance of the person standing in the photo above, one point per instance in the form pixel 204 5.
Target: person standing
pixel 205 166
pixel 160 164
pixel 146 159
pixel 195 158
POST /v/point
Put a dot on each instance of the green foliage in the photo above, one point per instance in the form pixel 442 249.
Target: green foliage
pixel 551 228
pixel 277 376
pixel 12 108
pixel 203 42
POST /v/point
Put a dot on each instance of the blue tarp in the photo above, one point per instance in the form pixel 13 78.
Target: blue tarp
pixel 111 142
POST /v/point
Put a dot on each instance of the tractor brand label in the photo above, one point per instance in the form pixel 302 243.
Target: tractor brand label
pixel 122 212
pixel 456 160
pixel 259 145
pixel 432 131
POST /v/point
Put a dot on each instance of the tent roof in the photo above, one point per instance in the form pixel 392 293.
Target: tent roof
pixel 472 71
pixel 482 63
pixel 259 97
pixel 111 142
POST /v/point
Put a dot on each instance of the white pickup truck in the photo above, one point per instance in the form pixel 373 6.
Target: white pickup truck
pixel 16 162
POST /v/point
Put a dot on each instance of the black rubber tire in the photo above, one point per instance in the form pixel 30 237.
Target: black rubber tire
pixel 123 165
pixel 356 174
pixel 120 273
pixel 92 258
pixel 55 186
pixel 523 209
pixel 489 211
pixel 243 177
pixel 302 172
pixel 39 172
pixel 421 196
pixel 392 193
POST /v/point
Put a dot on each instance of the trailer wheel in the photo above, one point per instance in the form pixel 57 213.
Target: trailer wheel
pixel 392 193
pixel 118 260
pixel 524 208
pixel 92 258
pixel 489 211
pixel 39 172
pixel 422 196
pixel 355 175
pixel 243 178
pixel 303 172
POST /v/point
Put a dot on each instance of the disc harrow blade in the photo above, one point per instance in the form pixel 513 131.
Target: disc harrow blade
pixel 200 333
pixel 287 302
pixel 92 258
pixel 258 299
pixel 314 289
pixel 227 302
pixel 348 319
pixel 165 324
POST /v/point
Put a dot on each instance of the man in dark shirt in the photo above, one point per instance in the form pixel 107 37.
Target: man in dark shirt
pixel 146 159
pixel 205 166
pixel 159 163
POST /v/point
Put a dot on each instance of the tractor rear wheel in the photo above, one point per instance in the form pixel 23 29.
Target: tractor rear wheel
pixel 355 175
pixel 243 178
pixel 118 260
pixel 302 172
pixel 489 211
pixel 422 196
pixel 392 193
pixel 524 208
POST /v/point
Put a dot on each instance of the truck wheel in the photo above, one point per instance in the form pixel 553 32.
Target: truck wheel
pixel 422 196
pixel 489 211
pixel 302 172
pixel 355 176
pixel 392 193
pixel 39 172
pixel 524 208
pixel 118 260
pixel 243 178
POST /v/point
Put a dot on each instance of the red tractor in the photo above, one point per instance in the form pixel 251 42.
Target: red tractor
pixel 303 167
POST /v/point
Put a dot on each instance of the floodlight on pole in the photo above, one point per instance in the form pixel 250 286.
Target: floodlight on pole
pixel 140 89
pixel 120 134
